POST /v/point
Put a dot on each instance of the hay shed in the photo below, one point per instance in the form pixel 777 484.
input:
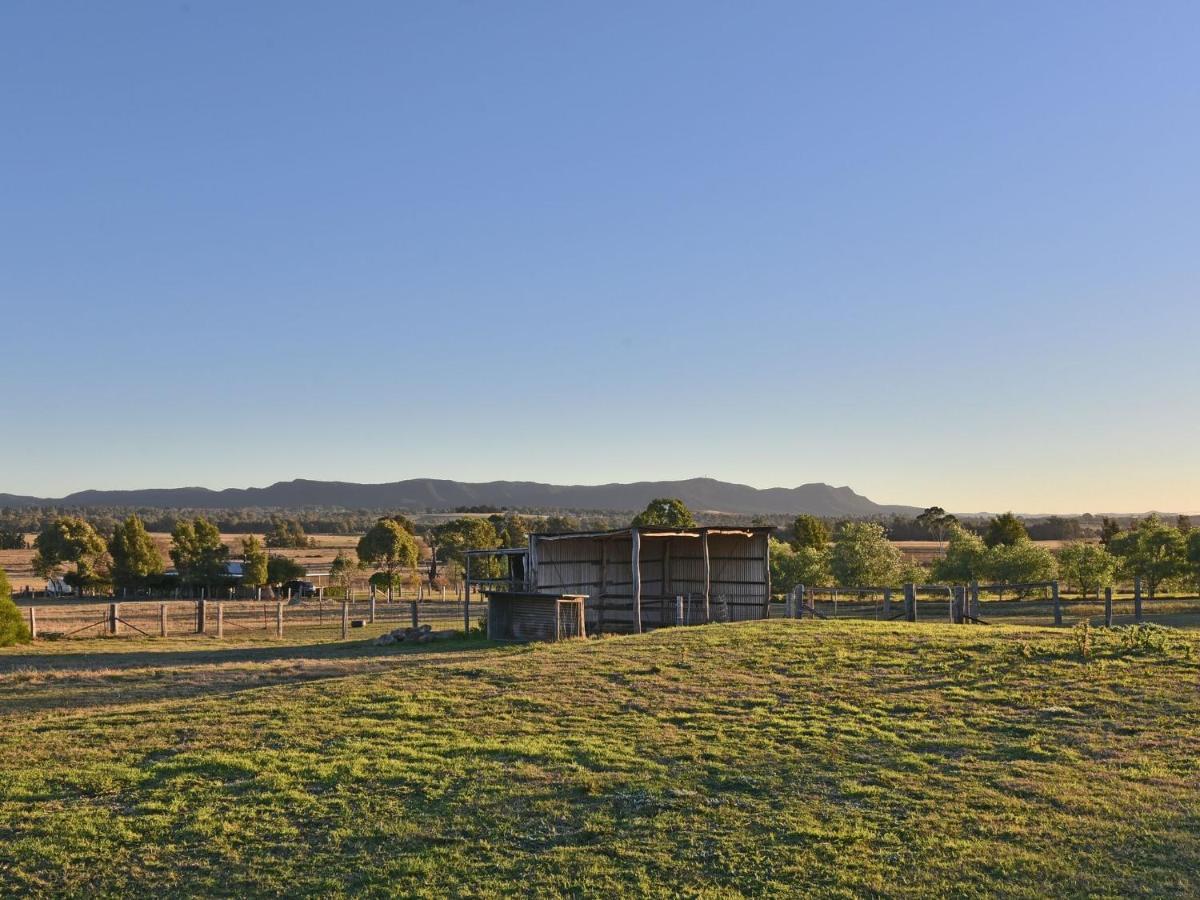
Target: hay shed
pixel 644 577
pixel 532 616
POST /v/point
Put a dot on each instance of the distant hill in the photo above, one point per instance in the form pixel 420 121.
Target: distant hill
pixel 701 494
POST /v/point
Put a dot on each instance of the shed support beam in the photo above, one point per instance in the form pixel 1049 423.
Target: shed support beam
pixel 707 576
pixel 636 540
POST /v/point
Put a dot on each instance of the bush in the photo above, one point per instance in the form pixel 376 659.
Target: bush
pixel 13 629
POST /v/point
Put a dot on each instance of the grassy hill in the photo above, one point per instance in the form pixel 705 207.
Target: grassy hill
pixel 764 758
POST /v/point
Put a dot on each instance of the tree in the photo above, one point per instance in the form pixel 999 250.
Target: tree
pixel 287 534
pixel 862 556
pixel 280 570
pixel 197 551
pixel 1021 562
pixel 342 572
pixel 1109 528
pixel 809 531
pixel 135 556
pixel 936 521
pixel 668 512
pixel 254 563
pixel 13 629
pixel 510 529
pixel 1152 551
pixel 1193 557
pixel 792 566
pixel 388 546
pixel 12 539
pixel 966 558
pixel 452 539
pixel 1004 529
pixel 1183 523
pixel 1087 566
pixel 69 540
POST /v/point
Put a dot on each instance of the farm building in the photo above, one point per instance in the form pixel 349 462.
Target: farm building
pixel 645 577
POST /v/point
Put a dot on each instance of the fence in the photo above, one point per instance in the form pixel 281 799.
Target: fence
pixel 1037 603
pixel 245 618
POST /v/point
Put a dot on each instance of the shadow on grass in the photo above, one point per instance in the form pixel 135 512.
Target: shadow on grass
pixel 81 679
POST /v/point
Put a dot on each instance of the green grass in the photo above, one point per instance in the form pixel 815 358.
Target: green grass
pixel 767 758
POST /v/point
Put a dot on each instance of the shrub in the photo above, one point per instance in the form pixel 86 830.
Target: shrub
pixel 13 629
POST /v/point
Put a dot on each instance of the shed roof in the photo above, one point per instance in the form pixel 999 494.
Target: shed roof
pixel 661 531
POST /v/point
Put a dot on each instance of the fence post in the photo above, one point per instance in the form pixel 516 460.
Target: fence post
pixel 162 620
pixel 278 620
pixel 114 612
pixel 371 613
pixel 887 603
pixel 975 610
pixel 1108 607
pixel 201 616
pixel 958 605
pixel 32 623
pixel 1137 599
pixel 413 604
pixel 679 609
pixel 466 614
pixel 345 619
pixel 220 620
pixel 1057 603
pixel 799 601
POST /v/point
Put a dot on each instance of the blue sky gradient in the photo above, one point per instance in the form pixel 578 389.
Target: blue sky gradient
pixel 941 252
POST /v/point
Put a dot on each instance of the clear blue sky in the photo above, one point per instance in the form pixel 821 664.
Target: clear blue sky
pixel 941 252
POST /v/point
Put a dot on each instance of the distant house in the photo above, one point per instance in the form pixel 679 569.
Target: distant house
pixel 56 587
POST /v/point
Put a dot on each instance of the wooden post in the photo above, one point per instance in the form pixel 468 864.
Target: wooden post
pixel 975 610
pixel 887 603
pixel 910 602
pixel 162 620
pixel 278 620
pixel 1057 603
pixel 707 575
pixel 800 604
pixel 1108 607
pixel 345 619
pixel 413 604
pixel 601 600
pixel 389 592
pixel 679 610
pixel 114 612
pixel 635 538
pixel 32 622
pixel 201 616
pixel 371 613
pixel 1137 599
pixel 466 596
pixel 220 620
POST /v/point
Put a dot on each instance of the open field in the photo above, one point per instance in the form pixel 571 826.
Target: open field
pixel 762 759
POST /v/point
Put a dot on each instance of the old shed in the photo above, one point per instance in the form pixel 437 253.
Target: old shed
pixel 644 577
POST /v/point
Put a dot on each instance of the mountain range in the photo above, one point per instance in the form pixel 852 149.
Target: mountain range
pixel 700 494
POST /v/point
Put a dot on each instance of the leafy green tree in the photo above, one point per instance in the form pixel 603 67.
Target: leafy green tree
pixel 452 539
pixel 863 556
pixel 287 534
pixel 12 539
pixel 936 521
pixel 667 512
pixel 1005 529
pixel 791 566
pixel 13 629
pixel 280 569
pixel 1109 528
pixel 197 551
pixel 388 546
pixel 809 531
pixel 1152 551
pixel 254 562
pixel 510 530
pixel 70 540
pixel 342 572
pixel 966 558
pixel 1193 557
pixel 135 556
pixel 1088 567
pixel 1183 523
pixel 1020 562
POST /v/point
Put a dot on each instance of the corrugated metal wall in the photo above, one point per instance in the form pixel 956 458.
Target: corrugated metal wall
pixel 739 581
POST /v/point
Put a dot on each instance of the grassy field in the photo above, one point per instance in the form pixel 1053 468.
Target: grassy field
pixel 760 759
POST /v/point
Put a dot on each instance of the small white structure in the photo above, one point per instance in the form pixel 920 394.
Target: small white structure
pixel 56 587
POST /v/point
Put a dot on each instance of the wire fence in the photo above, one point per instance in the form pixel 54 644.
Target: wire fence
pixel 247 618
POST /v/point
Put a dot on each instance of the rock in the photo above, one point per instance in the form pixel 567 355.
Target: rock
pixel 384 639
pixel 444 635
